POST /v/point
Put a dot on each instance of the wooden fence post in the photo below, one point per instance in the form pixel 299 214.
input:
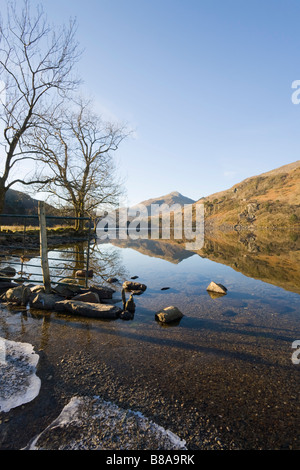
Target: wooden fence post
pixel 43 247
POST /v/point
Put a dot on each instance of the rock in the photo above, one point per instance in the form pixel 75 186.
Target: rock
pixel 37 289
pixel 218 288
pixel 69 280
pixel 249 213
pixel 112 280
pixel 136 292
pixel 110 301
pixel 126 315
pixel 103 292
pixel 67 287
pixel 88 309
pixel 168 314
pixel 134 286
pixel 91 297
pixel 42 301
pixel 7 271
pixel 19 295
pixel 134 277
pixel 82 273
pixel 130 305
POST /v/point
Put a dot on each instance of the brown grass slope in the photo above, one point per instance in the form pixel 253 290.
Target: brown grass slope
pixel 267 200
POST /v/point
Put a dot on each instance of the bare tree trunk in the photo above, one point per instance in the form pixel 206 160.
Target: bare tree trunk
pixel 2 195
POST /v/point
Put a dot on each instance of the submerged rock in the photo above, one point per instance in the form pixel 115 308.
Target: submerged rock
pixel 168 314
pixel 112 280
pixel 88 309
pixel 83 273
pixel 217 288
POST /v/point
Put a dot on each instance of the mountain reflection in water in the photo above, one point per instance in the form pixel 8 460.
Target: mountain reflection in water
pixel 270 256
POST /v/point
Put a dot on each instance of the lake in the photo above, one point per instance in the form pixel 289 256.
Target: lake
pixel 225 376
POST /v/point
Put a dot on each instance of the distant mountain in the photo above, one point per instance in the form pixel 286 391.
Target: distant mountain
pixel 172 198
pixel 269 199
pixel 143 210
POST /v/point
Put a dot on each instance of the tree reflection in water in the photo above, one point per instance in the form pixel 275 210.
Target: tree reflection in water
pixel 104 263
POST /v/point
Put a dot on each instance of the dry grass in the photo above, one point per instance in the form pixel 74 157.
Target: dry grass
pixel 31 228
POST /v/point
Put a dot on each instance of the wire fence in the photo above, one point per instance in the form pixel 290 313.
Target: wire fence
pixel 20 249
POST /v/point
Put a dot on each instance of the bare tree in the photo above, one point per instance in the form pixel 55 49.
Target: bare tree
pixel 36 62
pixel 77 151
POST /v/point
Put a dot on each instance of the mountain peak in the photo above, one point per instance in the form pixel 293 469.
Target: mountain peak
pixel 172 198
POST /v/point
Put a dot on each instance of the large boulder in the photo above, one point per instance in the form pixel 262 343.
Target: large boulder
pixel 68 287
pixel 18 295
pixel 104 293
pixel 88 309
pixel 217 288
pixel 168 314
pixel 91 297
pixel 42 301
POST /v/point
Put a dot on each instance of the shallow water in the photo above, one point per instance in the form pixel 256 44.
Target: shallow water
pixel 221 377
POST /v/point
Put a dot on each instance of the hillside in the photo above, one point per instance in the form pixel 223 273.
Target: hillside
pixel 273 259
pixel 269 199
pixel 17 202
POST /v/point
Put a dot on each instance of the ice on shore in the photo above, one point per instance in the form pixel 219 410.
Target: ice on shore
pixel 19 383
pixel 91 423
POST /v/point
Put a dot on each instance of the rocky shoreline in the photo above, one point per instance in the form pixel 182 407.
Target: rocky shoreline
pixel 70 297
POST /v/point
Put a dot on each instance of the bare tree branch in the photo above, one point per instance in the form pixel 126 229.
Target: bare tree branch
pixel 77 151
pixel 36 62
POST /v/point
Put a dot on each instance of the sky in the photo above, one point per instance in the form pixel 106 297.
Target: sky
pixel 205 85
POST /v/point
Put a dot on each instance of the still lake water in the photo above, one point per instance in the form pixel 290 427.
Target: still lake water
pixel 221 377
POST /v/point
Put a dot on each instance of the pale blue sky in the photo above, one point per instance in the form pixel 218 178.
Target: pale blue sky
pixel 205 84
